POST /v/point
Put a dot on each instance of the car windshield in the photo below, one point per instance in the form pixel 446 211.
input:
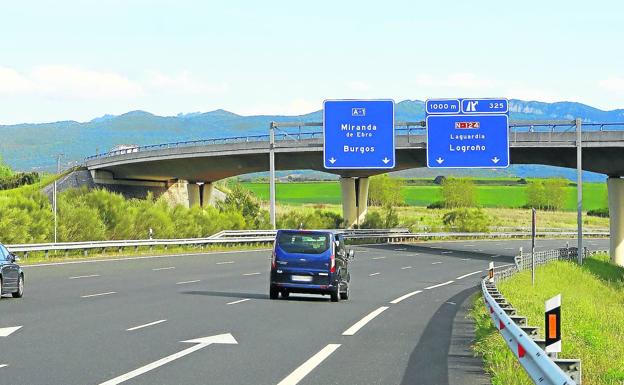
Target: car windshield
pixel 304 243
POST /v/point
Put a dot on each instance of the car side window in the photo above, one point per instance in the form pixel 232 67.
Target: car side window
pixel 4 253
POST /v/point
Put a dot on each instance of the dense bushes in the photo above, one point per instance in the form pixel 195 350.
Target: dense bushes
pixel 386 219
pixel 25 219
pixel 15 180
pixel 384 190
pixel 458 192
pixel 546 194
pixel 466 220
pixel 317 219
pixel 603 213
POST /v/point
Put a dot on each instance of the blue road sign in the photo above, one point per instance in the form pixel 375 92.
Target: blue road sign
pixel 358 134
pixel 467 133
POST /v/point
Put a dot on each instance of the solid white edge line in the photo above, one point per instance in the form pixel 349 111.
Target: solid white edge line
pixel 438 285
pixel 406 296
pixel 183 282
pixel 248 274
pixel 142 257
pixel 361 323
pixel 98 294
pixel 163 268
pixel 146 325
pixel 468 275
pixel 299 374
pixel 84 276
pixel 239 301
pixel 373 274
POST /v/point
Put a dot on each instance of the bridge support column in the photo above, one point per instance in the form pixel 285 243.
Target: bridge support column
pixel 354 200
pixel 207 192
pixel 193 194
pixel 615 186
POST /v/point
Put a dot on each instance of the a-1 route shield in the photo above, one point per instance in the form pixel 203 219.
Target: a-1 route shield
pixel 358 134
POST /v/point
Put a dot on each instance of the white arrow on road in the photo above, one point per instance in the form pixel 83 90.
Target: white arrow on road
pixel 200 344
pixel 439 160
pixel 495 159
pixel 332 160
pixel 5 332
pixel 385 160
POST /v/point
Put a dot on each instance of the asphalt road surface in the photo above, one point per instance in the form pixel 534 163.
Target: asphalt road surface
pixel 125 321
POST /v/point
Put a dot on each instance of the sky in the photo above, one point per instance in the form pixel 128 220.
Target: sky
pixel 80 59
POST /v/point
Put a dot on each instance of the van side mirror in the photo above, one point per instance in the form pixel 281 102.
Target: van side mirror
pixel 337 243
pixel 351 254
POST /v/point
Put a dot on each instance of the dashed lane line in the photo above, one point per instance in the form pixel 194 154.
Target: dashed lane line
pixel 249 274
pixel 146 325
pixel 496 256
pixel 85 276
pixel 239 301
pixel 447 252
pixel 361 323
pixel 163 268
pixel 378 258
pixel 185 282
pixel 225 263
pixel 406 296
pixel 468 275
pixel 98 294
pixel 436 263
pixel 305 368
pixel 438 285
pixel 406 267
pixel 373 274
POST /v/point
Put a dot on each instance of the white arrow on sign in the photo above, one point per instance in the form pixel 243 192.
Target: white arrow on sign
pixel 495 159
pixel 200 343
pixel 5 332
pixel 385 160
pixel 332 160
pixel 440 160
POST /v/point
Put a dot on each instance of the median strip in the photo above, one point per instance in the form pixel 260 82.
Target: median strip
pixel 98 294
pixel 361 323
pixel 146 325
pixel 438 285
pixel 406 296
pixel 305 368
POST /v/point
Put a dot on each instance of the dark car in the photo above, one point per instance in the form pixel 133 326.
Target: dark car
pixel 314 262
pixel 11 274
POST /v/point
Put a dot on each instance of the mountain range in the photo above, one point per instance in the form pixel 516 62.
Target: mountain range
pixel 34 146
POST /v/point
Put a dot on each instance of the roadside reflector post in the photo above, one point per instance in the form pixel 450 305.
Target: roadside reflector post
pixel 553 325
pixel 491 272
pixel 533 228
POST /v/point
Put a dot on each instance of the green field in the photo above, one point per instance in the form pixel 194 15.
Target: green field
pixel 594 194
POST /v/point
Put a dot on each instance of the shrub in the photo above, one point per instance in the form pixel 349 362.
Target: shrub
pixel 384 190
pixel 11 181
pixel 546 194
pixel 603 213
pixel 317 219
pixel 466 220
pixel 386 219
pixel 459 192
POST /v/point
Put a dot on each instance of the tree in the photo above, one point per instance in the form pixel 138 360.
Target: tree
pixel 466 220
pixel 546 194
pixel 383 190
pixel 458 192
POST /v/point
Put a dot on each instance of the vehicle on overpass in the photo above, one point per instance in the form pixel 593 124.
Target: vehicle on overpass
pixel 312 262
pixel 11 274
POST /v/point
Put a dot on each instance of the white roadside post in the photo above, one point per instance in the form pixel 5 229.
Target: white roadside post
pixel 491 272
pixel 552 317
pixel 272 173
pixel 579 190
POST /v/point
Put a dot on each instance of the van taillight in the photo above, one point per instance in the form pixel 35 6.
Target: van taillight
pixel 332 264
pixel 273 259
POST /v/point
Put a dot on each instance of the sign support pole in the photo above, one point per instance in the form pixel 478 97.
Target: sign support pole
pixel 272 173
pixel 533 228
pixel 579 190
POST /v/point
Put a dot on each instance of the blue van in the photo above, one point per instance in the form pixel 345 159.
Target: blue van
pixel 315 262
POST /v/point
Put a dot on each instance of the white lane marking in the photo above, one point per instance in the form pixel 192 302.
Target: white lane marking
pixel 447 252
pixel 373 274
pixel 450 303
pixel 406 296
pixel 248 274
pixel 361 251
pixel 465 259
pixel 416 254
pixel 436 263
pixel 5 332
pixel 438 285
pixel 225 263
pixel 146 325
pixel 305 368
pixel 3 366
pixel 239 301
pixel 469 245
pixel 185 282
pixel 98 294
pixel 402 249
pixel 468 275
pixel 164 268
pixel 143 257
pixel 200 343
pixel 479 250
pixel 84 276
pixel 435 247
pixel 378 258
pixel 406 267
pixel 509 248
pixel 361 323
pixel 496 256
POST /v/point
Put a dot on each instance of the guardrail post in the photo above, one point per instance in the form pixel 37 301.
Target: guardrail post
pixel 46 254
pixel 85 252
pixel 120 249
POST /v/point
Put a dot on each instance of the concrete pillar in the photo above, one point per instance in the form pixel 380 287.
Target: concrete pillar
pixel 193 194
pixel 207 192
pixel 354 199
pixel 615 188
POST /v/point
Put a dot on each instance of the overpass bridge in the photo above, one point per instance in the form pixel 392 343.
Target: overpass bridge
pixel 189 169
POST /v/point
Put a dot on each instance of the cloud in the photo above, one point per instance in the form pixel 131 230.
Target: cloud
pixel 359 86
pixel 182 82
pixel 614 83
pixel 12 82
pixel 461 80
pixel 528 93
pixel 294 107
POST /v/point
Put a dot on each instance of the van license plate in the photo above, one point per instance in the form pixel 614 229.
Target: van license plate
pixel 301 278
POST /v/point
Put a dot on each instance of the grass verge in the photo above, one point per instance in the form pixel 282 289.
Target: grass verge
pixel 592 320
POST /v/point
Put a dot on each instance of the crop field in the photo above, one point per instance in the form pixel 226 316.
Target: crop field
pixel 495 196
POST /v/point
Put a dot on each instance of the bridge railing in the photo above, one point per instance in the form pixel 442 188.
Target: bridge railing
pixel 314 130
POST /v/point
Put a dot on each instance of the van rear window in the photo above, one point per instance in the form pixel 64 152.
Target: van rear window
pixel 303 243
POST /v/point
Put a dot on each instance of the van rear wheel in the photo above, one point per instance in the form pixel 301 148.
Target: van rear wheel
pixel 335 295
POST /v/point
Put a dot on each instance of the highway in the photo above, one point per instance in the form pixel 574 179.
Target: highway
pixel 125 321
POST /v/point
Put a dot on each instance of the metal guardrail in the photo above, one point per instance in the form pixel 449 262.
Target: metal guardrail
pixel 403 129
